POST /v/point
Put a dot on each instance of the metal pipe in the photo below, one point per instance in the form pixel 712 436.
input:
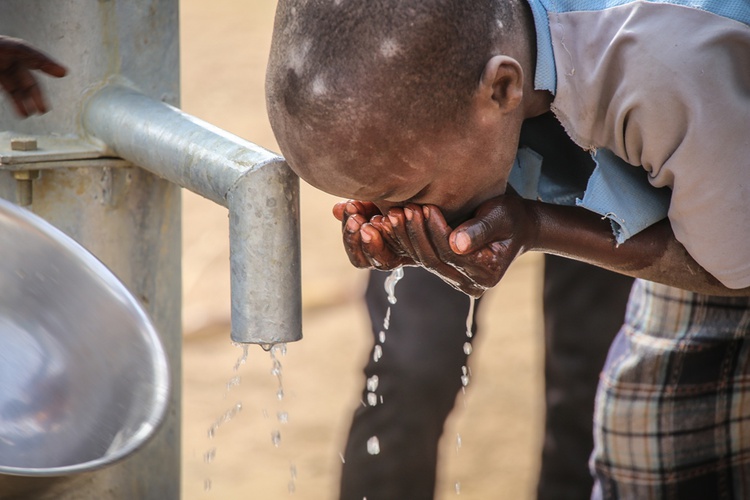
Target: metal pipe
pixel 257 186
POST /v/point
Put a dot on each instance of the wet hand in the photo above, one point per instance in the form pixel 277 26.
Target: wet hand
pixel 425 237
pixel 17 61
pixel 366 240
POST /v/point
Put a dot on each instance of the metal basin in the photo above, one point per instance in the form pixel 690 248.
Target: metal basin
pixel 83 375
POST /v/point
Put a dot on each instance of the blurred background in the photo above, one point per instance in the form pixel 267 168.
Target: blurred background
pixel 273 448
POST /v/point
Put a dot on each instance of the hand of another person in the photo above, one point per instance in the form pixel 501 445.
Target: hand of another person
pixel 17 61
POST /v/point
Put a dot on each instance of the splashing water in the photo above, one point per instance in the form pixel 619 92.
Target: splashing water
pixel 372 383
pixel 372 398
pixel 243 358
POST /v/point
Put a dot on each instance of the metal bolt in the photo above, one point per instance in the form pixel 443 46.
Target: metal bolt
pixel 23 144
pixel 24 180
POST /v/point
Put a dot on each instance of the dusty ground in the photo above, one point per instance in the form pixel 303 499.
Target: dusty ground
pixel 224 49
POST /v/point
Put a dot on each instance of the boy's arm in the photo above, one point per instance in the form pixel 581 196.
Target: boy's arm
pixel 653 254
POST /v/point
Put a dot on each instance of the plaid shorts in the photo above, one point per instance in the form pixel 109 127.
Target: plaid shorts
pixel 672 417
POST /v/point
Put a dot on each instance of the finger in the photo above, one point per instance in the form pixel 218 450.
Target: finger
pixel 338 210
pixel 397 222
pixel 353 242
pixel 439 232
pixel 377 252
pixel 383 225
pixel 427 255
pixel 366 208
pixel 33 58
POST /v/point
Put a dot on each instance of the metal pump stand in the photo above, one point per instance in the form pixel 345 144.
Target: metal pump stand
pixel 106 167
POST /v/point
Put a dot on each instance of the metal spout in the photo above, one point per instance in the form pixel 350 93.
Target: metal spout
pixel 256 185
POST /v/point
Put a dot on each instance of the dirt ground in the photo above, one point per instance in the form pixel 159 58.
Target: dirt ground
pixel 224 50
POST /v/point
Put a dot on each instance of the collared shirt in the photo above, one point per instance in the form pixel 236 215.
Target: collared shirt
pixel 663 86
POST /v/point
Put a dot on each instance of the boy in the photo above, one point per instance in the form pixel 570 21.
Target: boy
pixel 415 107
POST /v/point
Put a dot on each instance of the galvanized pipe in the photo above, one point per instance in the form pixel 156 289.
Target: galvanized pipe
pixel 257 186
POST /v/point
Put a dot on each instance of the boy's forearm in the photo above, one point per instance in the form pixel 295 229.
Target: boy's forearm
pixel 653 254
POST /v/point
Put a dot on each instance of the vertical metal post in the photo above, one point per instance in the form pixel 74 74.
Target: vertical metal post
pixel 127 217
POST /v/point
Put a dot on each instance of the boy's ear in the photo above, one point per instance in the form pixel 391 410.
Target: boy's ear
pixel 502 83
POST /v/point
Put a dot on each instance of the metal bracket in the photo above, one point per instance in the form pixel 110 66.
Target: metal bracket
pixel 25 155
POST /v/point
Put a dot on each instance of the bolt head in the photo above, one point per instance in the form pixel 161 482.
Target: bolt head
pixel 23 144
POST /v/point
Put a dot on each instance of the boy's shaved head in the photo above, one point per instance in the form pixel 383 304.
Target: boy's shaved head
pixel 395 100
pixel 417 61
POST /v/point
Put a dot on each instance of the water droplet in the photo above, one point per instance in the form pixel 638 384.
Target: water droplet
pixel 266 347
pixel 458 442
pixel 276 438
pixel 373 445
pixel 293 471
pixel 458 487
pixel 341 456
pixel 292 487
pixel 212 431
pixel 390 283
pixel 207 485
pixel 283 417
pixel 381 399
pixel 387 320
pixel 279 348
pixel 470 317
pixel 381 337
pixel 372 398
pixel 464 370
pixel 372 383
pixel 465 380
pixel 468 348
pixel 233 382
pixel 209 456
pixel 276 370
pixel 280 394
pixel 377 353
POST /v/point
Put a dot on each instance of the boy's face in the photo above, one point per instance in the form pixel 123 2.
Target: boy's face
pixel 455 170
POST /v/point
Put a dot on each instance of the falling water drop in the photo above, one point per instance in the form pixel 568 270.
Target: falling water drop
pixel 282 417
pixel 458 487
pixel 276 438
pixel 381 337
pixel 233 382
pixel 372 398
pixel 377 353
pixel 458 442
pixel 373 445
pixel 390 283
pixel 207 485
pixel 468 348
pixel 267 347
pixel 243 358
pixel 372 383
pixel 470 318
pixel 209 456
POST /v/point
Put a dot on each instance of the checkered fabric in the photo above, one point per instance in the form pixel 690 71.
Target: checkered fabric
pixel 672 418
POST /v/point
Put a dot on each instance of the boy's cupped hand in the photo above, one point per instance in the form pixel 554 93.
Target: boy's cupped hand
pixel 471 258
